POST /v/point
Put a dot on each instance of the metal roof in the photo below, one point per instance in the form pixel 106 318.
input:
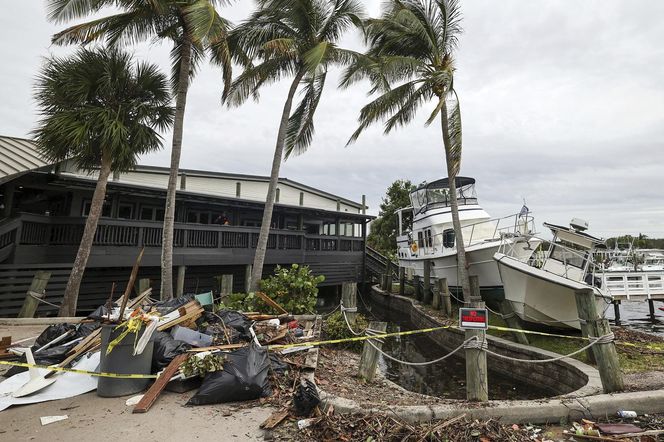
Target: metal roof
pixel 18 156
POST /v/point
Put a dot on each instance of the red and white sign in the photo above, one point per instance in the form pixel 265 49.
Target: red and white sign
pixel 474 318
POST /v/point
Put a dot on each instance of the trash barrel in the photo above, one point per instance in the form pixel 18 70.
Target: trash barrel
pixel 122 360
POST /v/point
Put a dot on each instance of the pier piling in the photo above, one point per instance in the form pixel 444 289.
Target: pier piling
pixel 426 296
pixel 477 387
pixel 369 358
pixel 402 281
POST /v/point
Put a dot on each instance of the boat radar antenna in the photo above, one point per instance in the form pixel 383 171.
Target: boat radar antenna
pixel 579 224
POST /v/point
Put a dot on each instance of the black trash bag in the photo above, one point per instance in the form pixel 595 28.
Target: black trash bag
pixel 51 355
pixel 244 377
pixel 165 350
pixel 306 398
pixel 85 328
pixel 165 307
pixel 100 313
pixel 235 320
pixel 277 365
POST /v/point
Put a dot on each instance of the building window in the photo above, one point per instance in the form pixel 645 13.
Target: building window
pixel 105 211
pixel 150 213
pixel 125 211
pixel 448 238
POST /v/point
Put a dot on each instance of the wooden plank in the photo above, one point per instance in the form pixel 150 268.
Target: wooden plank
pixel 36 292
pixel 217 347
pixel 130 284
pixel 155 390
pixel 271 302
pixel 275 419
pixel 369 358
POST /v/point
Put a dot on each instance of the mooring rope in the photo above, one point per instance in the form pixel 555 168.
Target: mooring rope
pixel 417 364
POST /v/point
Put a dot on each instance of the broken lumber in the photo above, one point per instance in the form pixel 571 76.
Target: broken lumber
pixel 155 390
pixel 130 284
pixel 271 302
pixel 217 347
pixel 5 343
pixel 275 419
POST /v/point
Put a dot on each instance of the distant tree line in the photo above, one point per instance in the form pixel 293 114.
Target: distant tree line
pixel 640 241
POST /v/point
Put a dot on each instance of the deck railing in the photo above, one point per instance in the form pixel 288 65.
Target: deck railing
pixel 39 230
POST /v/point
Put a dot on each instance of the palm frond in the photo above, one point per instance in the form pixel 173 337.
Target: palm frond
pixel 453 139
pixel 300 130
pixel 60 11
pixel 253 77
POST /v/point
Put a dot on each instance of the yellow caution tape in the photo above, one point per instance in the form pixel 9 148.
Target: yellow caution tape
pixel 89 373
pixel 359 338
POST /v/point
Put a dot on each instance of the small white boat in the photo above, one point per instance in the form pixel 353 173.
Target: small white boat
pixel 653 261
pixel 425 232
pixel 541 291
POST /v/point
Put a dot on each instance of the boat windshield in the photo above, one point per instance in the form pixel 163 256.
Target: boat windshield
pixel 437 194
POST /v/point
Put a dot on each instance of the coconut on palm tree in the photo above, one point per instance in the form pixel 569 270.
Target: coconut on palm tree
pixel 410 62
pixel 295 39
pixel 100 110
pixel 193 26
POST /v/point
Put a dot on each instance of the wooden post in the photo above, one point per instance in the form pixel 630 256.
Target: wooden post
pixel 383 281
pixel 446 297
pixel 179 285
pixel 402 281
pixel 349 300
pixel 426 296
pixel 436 301
pixel 477 387
pixel 616 311
pixel 512 321
pixel 388 280
pixel 143 285
pixel 247 277
pixel 226 285
pixel 369 359
pixel 605 354
pixel 418 289
pixel 36 291
pixel 586 327
pixel 651 307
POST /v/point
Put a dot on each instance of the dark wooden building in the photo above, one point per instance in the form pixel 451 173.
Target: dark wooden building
pixel 218 215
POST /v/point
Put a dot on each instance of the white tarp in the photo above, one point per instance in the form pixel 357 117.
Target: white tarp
pixel 67 384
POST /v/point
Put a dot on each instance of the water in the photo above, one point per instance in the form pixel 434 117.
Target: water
pixel 445 379
pixel 635 315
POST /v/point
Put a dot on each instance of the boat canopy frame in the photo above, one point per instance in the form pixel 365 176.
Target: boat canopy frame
pixel 436 194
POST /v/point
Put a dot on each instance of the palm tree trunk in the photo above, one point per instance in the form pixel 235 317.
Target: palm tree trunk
pixel 70 301
pixel 176 150
pixel 261 247
pixel 462 263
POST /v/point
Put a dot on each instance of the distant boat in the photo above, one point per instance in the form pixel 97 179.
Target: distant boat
pixel 425 232
pixel 542 291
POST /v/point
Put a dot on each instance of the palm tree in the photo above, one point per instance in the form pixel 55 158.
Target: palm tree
pixel 100 110
pixel 290 38
pixel 412 44
pixel 193 26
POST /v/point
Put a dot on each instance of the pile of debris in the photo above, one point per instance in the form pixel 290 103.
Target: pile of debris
pixel 186 345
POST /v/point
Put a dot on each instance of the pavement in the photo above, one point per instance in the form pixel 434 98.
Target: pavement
pixel 91 417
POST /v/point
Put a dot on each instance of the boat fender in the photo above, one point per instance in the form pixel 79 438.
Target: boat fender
pixel 413 247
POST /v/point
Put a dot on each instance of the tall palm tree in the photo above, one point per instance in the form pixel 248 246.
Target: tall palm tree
pixel 101 110
pixel 411 45
pixel 290 38
pixel 193 26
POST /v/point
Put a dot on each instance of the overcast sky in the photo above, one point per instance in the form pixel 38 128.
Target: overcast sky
pixel 562 105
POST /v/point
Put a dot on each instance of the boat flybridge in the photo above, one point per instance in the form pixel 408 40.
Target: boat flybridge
pixel 541 290
pixel 426 233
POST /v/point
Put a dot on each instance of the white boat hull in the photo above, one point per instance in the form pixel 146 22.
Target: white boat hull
pixel 480 263
pixel 541 297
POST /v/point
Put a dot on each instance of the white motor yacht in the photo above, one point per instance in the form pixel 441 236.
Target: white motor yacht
pixel 542 291
pixel 426 233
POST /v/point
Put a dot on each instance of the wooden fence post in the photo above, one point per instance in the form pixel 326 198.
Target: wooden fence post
pixel 143 285
pixel 402 281
pixel 437 296
pixel 418 289
pixel 36 292
pixel 477 387
pixel 426 296
pixel 226 285
pixel 512 321
pixel 369 359
pixel 349 300
pixel 605 353
pixel 179 283
pixel 447 298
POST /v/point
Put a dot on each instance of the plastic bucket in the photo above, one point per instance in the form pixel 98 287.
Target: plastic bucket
pixel 205 299
pixel 122 361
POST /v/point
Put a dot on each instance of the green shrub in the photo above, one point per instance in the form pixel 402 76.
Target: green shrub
pixel 294 288
pixel 335 327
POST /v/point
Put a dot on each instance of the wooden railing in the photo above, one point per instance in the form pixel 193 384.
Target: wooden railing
pixel 28 229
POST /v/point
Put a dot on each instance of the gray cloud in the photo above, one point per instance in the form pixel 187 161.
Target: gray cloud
pixel 562 104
